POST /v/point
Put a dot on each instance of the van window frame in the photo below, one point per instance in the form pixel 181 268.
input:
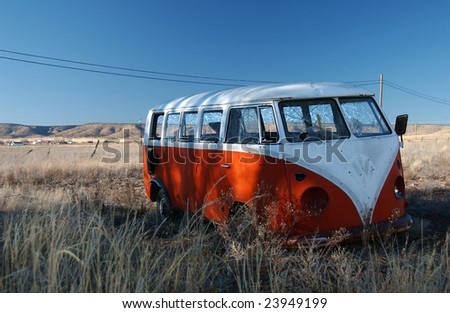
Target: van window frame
pixel 182 125
pixel 377 114
pixel 262 140
pixel 165 125
pixel 154 124
pixel 336 110
pixel 200 125
pixel 258 108
pixel 228 120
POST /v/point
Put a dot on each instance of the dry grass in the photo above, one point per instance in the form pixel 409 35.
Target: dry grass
pixel 427 175
pixel 70 223
pixel 427 161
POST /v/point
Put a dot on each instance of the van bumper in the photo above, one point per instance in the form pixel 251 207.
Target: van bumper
pixel 354 234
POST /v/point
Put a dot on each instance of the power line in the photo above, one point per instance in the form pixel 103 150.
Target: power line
pixel 359 83
pixel 416 93
pixel 366 84
pixel 120 74
pixel 133 69
pixel 403 89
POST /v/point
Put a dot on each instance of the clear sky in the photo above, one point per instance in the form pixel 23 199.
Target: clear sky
pixel 279 40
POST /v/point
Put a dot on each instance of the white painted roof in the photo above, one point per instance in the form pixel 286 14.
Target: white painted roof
pixel 266 92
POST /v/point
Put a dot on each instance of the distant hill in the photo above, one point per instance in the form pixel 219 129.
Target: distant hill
pixel 94 130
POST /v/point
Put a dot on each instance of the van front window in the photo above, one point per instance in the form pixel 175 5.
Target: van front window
pixel 306 120
pixel 363 117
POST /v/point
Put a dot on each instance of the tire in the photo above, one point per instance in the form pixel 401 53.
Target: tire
pixel 164 209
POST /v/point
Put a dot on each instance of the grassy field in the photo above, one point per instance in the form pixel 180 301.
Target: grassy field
pixel 71 223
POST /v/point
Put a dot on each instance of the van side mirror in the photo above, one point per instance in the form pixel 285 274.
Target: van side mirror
pixel 400 124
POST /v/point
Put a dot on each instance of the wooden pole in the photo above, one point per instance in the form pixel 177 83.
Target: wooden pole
pixel 381 90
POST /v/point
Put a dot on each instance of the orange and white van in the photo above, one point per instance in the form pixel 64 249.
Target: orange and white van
pixel 311 158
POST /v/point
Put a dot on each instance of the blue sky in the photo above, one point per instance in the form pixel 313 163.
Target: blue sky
pixel 280 40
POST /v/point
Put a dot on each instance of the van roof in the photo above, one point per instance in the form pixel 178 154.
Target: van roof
pixel 258 93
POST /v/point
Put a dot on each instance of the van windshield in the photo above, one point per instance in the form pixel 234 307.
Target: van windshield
pixel 318 119
pixel 363 117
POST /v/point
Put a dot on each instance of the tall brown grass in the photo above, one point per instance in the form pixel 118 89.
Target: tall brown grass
pixel 428 161
pixel 70 223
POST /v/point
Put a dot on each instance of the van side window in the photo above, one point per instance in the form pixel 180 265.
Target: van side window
pixel 188 126
pixel 211 122
pixel 268 125
pixel 157 123
pixel 172 125
pixel 243 126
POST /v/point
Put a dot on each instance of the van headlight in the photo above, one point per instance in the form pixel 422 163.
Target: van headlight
pixel 399 188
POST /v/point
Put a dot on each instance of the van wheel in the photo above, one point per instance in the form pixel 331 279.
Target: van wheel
pixel 164 209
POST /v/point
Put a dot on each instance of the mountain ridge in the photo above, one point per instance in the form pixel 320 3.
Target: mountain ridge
pixel 94 130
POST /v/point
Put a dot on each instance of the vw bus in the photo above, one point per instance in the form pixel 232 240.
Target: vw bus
pixel 321 156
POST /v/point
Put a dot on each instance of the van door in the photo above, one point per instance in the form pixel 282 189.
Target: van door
pixel 207 161
pixel 251 168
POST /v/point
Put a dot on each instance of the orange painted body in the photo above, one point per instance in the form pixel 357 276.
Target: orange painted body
pixel 388 207
pixel 210 181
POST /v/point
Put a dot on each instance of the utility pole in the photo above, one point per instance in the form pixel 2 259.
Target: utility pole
pixel 381 90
